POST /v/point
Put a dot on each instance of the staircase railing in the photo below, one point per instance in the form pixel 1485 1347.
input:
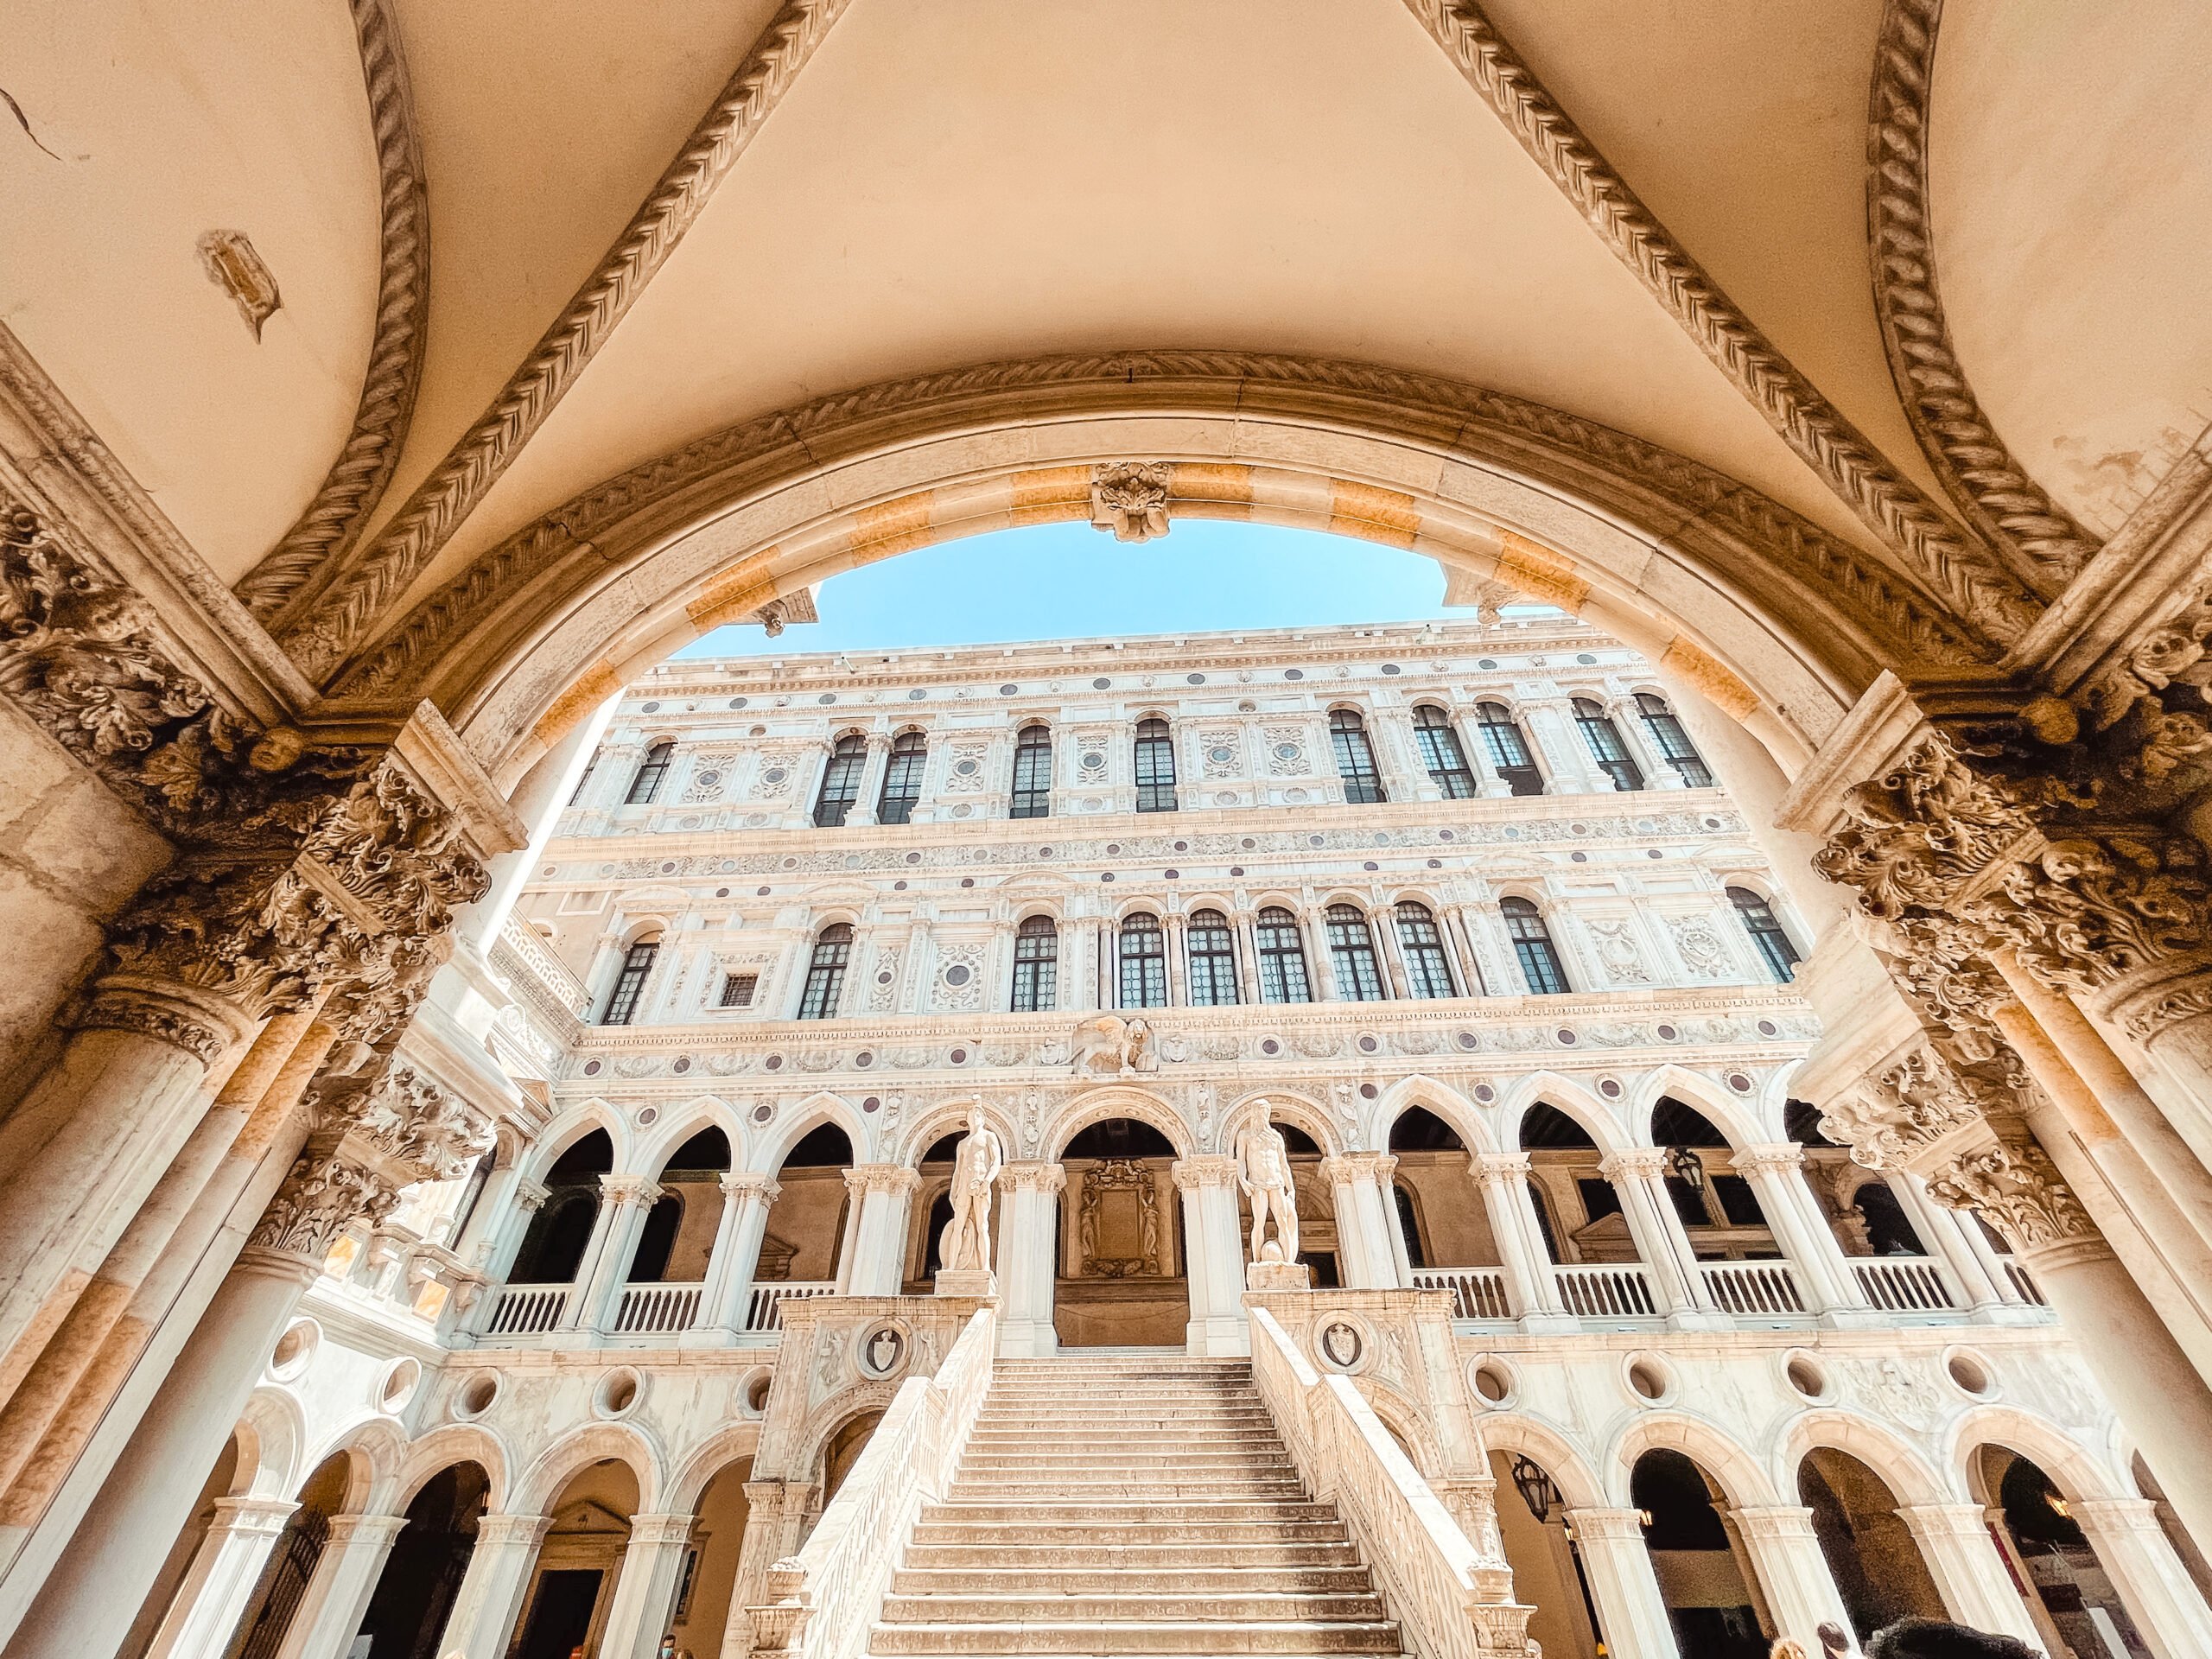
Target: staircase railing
pixel 822 1602
pixel 1431 1575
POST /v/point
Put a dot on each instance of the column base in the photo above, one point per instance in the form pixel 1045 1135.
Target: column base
pixel 1221 1336
pixel 1028 1339
pixel 1851 1318
pixel 1551 1324
pixel 1700 1319
pixel 1278 1275
pixel 980 1282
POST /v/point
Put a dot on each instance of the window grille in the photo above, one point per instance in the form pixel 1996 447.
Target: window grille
pixel 1441 754
pixel 1606 745
pixel 1282 958
pixel 902 778
pixel 1144 963
pixel 1036 965
pixel 1765 929
pixel 825 972
pixel 1213 961
pixel 1355 758
pixel 1033 773
pixel 1155 768
pixel 1359 978
pixel 1508 749
pixel 738 989
pixel 654 768
pixel 1428 972
pixel 1532 943
pixel 630 983
pixel 841 782
pixel 1672 742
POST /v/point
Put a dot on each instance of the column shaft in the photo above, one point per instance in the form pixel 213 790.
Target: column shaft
pixel 1529 1284
pixel 490 1599
pixel 330 1614
pixel 1631 1614
pixel 747 1200
pixel 645 1590
pixel 1032 1192
pixel 221 1580
pixel 1970 1574
pixel 883 1196
pixel 1794 1574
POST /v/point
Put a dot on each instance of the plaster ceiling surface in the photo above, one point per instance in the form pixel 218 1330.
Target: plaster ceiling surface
pixel 165 123
pixel 1741 125
pixel 2071 162
pixel 544 123
pixel 981 179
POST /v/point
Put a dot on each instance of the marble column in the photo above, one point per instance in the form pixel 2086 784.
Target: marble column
pixel 1386 1170
pixel 1031 1195
pixel 1776 1175
pixel 1383 920
pixel 747 1196
pixel 491 1590
pixel 1970 1572
pixel 1214 1251
pixel 862 812
pixel 1801 1593
pixel 90 1598
pixel 330 1610
pixel 883 1197
pixel 225 1571
pixel 1483 976
pixel 624 1202
pixel 1638 1175
pixel 1942 1233
pixel 1632 1613
pixel 84 1148
pixel 1355 1180
pixel 645 1589
pixel 1177 945
pixel 2151 1581
pixel 1248 960
pixel 1530 1286
pixel 1320 964
pixel 775 1517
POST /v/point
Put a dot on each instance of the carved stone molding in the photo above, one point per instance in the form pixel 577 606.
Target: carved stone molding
pixel 744 1185
pixel 327 530
pixel 1980 475
pixel 321 638
pixel 860 1179
pixel 1965 572
pixel 1634 1164
pixel 1493 1168
pixel 406 1116
pixel 1862 593
pixel 1048 1178
pixel 640 1191
pixel 1129 498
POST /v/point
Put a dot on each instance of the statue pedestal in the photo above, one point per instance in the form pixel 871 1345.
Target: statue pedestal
pixel 972 1281
pixel 1278 1275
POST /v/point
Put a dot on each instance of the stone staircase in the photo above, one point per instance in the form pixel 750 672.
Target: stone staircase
pixel 1115 1503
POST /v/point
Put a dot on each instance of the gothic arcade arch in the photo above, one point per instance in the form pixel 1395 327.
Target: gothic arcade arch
pixel 1422 1090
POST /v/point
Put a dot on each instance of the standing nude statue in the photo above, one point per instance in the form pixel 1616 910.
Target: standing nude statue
pixel 1263 1171
pixel 965 1245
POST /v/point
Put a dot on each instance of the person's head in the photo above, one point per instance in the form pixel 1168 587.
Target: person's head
pixel 1934 1638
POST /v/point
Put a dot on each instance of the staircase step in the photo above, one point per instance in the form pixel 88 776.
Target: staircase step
pixel 1094 1554
pixel 1021 1574
pixel 1029 1609
pixel 1004 1524
pixel 1147 1636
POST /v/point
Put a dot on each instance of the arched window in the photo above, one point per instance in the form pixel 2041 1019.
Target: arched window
pixel 1427 971
pixel 1213 961
pixel 1760 922
pixel 902 778
pixel 1409 1225
pixel 1351 947
pixel 1155 768
pixel 1441 754
pixel 1036 965
pixel 630 983
pixel 825 972
pixel 1508 749
pixel 651 770
pixel 1033 773
pixel 1672 742
pixel 1144 962
pixel 1606 745
pixel 1532 943
pixel 1282 958
pixel 1355 757
pixel 841 782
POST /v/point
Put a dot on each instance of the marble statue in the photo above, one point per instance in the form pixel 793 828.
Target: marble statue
pixel 965 1245
pixel 1263 1171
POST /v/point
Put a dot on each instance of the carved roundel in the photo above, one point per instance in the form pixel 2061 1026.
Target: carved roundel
pixel 1342 1343
pixel 882 1352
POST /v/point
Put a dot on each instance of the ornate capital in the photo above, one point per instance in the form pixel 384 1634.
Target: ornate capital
pixel 2013 1181
pixel 201 1024
pixel 1917 1099
pixel 1352 1168
pixel 405 1116
pixel 512 1531
pixel 662 1529
pixel 1779 1522
pixel 741 1184
pixel 1202 1170
pixel 531 1195
pixel 641 1191
pixel 1608 1526
pixel 1500 1168
pixel 1634 1164
pixel 2093 913
pixel 863 1178
pixel 1033 1177
pixel 327 1189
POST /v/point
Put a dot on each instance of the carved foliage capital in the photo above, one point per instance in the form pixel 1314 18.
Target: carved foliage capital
pixel 1046 1178
pixel 327 1190
pixel 2013 1181
pixel 1203 1170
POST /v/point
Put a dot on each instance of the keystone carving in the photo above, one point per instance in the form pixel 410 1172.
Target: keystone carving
pixel 1130 498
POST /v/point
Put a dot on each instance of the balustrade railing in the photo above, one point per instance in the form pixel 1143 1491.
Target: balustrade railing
pixel 1904 1283
pixel 1453 1602
pixel 531 952
pixel 2025 1283
pixel 1756 1290
pixel 1476 1292
pixel 1610 1291
pixel 526 1310
pixel 656 1310
pixel 764 1308
pixel 823 1603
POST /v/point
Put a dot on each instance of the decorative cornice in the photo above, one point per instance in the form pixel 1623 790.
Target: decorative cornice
pixel 1992 489
pixel 1861 591
pixel 324 532
pixel 1967 573
pixel 321 638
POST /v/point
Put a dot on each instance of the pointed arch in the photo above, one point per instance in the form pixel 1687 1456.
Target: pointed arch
pixel 440 1450
pixel 1742 1479
pixel 735 1444
pixel 1726 1112
pixel 679 1124
pixel 271 1432
pixel 572 1126
pixel 1550 1447
pixel 2076 1471
pixel 947 1117
pixel 1291 1108
pixel 817 1109
pixel 1438 1096
pixel 374 1448
pixel 1563 1094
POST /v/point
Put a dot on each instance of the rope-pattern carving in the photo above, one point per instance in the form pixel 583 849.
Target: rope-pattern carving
pixel 1972 577
pixel 319 640
pixel 326 532
pixel 1976 470
pixel 1909 626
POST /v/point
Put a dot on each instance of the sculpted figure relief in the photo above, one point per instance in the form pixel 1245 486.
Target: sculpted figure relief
pixel 965 1245
pixel 1263 1171
pixel 1111 1047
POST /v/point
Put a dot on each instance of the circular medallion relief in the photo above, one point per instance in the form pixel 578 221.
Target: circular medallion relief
pixel 1340 1345
pixel 1090 760
pixel 958 974
pixel 881 1352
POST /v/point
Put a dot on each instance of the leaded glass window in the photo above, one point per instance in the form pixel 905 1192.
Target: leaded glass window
pixel 1508 749
pixel 1144 962
pixel 1033 773
pixel 1606 745
pixel 1351 948
pixel 1036 965
pixel 1213 960
pixel 1282 958
pixel 1155 768
pixel 825 972
pixel 1428 972
pixel 1355 757
pixel 1672 742
pixel 1532 944
pixel 1765 929
pixel 1441 754
pixel 841 782
pixel 630 983
pixel 902 778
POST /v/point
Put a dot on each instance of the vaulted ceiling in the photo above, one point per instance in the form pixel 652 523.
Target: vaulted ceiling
pixel 922 184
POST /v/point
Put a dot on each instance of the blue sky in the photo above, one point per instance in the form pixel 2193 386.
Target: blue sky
pixel 1052 581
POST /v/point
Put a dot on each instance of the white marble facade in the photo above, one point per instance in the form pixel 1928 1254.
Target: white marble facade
pixel 1610 1181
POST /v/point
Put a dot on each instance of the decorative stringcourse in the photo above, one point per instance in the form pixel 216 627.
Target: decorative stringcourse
pixel 327 530
pixel 1968 575
pixel 1978 472
pixel 1860 587
pixel 320 640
